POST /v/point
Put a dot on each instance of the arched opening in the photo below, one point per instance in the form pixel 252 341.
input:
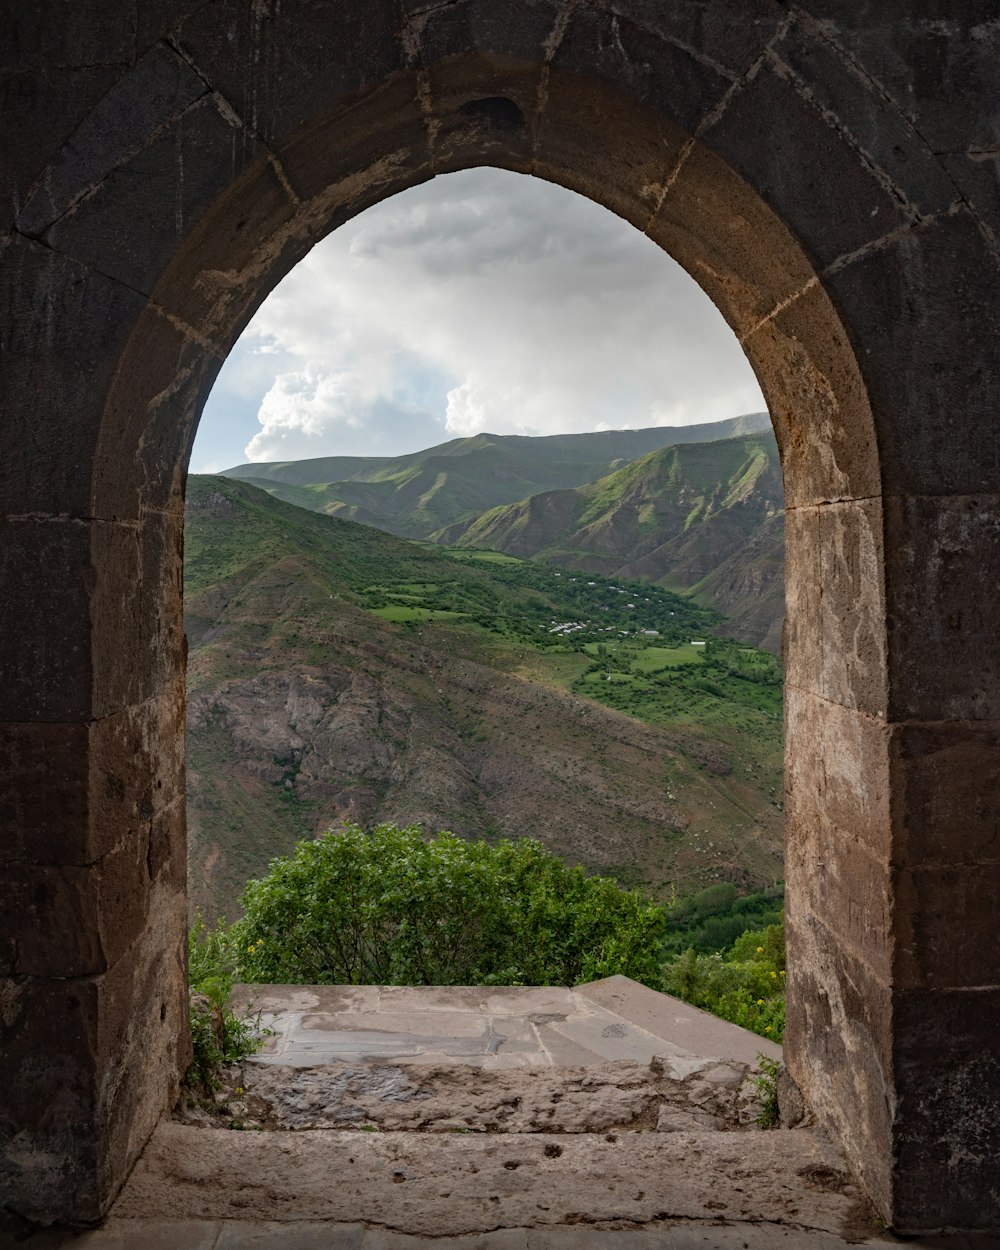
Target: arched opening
pixel 146 265
pixel 461 316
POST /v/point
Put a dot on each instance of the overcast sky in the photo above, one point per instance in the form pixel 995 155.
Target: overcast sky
pixel 482 300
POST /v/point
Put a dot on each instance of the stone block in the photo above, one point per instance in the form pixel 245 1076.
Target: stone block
pixel 801 644
pixel 948 1109
pixel 48 1129
pixel 977 176
pixel 945 923
pixel 147 430
pixel 232 259
pixel 37 113
pixel 902 159
pixel 71 793
pixel 357 155
pixel 45 571
pixel 144 1045
pixel 77 921
pixel 147 204
pixel 943 598
pixel 92 1063
pixel 734 246
pixel 816 396
pixel 634 61
pixel 730 35
pixel 154 90
pixel 508 30
pixel 156 19
pixel 593 140
pixel 839 1045
pixel 847 887
pixel 917 306
pixel 53 33
pixel 835 629
pixel 837 772
pixel 936 66
pixel 472 128
pixel 58 317
pixel 795 176
pixel 946 793
pixel 852 605
pixel 281 67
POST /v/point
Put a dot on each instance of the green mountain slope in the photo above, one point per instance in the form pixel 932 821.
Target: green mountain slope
pixel 416 494
pixel 338 672
pixel 702 517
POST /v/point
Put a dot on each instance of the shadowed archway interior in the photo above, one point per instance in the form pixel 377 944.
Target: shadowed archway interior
pixel 158 206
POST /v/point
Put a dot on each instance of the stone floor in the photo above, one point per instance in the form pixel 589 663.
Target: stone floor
pixel 487 1119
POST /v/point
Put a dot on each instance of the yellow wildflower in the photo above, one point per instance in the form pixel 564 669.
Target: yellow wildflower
pixel 760 950
pixel 760 1002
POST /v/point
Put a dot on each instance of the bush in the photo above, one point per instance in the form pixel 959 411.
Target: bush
pixel 745 984
pixel 218 1035
pixel 390 907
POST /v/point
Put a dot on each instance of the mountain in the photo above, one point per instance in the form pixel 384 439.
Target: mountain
pixel 336 672
pixel 705 518
pixel 415 495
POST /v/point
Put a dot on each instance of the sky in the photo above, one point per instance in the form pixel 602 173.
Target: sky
pixel 480 301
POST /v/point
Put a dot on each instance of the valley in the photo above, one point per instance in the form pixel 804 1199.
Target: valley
pixel 337 672
pixel 695 509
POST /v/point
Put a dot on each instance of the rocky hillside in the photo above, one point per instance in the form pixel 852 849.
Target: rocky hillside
pixel 705 518
pixel 308 705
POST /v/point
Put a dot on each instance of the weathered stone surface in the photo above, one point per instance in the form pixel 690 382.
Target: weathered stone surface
pixel 794 176
pixel 873 122
pixel 839 1043
pixel 838 776
pixel 943 598
pixel 835 631
pixel 280 66
pixel 160 86
pixel 817 400
pixel 917 305
pixel 652 71
pixel 458 1098
pixel 37 111
pixel 73 1051
pixel 477 1182
pixel 946 792
pixel 951 1085
pixel 83 319
pixel 144 206
pixel 589 137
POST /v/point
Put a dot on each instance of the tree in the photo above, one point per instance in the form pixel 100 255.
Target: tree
pixel 392 907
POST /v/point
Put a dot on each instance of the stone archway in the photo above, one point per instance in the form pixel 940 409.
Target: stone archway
pixel 177 168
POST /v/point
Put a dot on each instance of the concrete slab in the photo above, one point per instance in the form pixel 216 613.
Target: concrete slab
pixel 495 1027
pixel 675 1021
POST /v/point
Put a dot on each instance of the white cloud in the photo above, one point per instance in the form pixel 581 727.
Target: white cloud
pixel 481 301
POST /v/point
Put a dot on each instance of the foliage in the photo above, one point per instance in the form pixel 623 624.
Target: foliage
pixel 745 984
pixel 218 1034
pixel 766 1084
pixel 390 907
pixel 714 918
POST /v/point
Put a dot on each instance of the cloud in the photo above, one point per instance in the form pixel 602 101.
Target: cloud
pixel 483 300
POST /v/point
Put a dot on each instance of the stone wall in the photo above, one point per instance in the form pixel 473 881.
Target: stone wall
pixel 826 170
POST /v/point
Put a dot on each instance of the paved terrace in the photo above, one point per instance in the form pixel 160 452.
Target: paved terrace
pixel 486 1118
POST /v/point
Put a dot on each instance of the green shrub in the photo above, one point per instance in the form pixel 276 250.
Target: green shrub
pixel 745 984
pixel 392 907
pixel 218 1035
